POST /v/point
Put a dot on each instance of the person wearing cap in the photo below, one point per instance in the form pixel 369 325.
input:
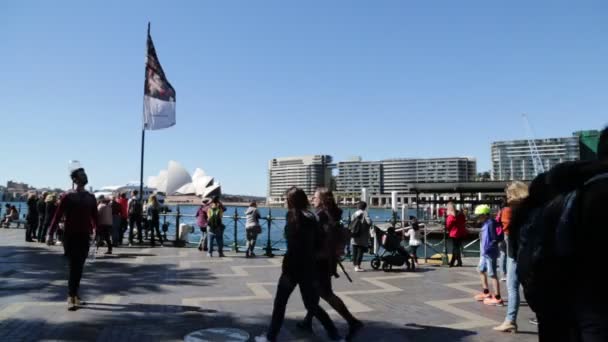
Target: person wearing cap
pixel 80 211
pixel 488 259
pixel 201 221
pixel 104 222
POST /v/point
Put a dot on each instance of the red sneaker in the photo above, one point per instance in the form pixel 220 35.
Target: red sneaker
pixel 493 301
pixel 482 296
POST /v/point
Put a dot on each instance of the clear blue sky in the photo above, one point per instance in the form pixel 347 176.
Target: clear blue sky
pixel 263 79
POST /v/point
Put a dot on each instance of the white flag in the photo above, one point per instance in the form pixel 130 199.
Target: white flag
pixel 159 95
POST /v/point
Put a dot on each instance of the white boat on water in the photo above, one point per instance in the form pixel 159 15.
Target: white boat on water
pixel 115 190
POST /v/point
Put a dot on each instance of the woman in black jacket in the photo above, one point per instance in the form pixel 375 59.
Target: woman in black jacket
pixel 329 218
pixel 299 267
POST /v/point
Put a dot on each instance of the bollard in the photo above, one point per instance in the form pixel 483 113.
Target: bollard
pixel 268 245
pixel 348 252
pixel 177 240
pixel 444 259
pixel 236 220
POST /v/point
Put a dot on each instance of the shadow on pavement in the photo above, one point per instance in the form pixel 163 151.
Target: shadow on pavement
pixel 36 271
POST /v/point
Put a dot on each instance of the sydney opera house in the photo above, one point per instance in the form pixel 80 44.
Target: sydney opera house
pixel 175 180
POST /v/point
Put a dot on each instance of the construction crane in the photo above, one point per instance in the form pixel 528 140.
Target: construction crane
pixel 536 161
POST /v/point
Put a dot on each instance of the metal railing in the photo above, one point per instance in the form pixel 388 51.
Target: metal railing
pixel 234 233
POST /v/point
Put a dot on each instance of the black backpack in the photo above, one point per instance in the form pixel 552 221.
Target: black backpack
pixel 135 208
pixel 531 255
pixel 545 249
pixel 357 226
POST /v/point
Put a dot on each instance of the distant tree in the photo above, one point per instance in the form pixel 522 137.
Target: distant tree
pixel 483 176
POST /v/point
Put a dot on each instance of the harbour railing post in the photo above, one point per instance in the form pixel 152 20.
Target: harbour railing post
pixel 268 244
pixel 348 252
pixel 236 221
pixel 444 258
pixel 177 215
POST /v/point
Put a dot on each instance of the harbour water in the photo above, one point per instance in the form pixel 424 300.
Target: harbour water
pixel 187 216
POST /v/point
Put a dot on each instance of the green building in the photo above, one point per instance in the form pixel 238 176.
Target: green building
pixel 588 141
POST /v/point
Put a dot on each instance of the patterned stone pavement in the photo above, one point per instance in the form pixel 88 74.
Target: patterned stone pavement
pixel 162 294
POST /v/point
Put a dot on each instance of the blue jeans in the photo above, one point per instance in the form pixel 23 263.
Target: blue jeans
pixel 502 259
pixel 513 288
pixel 115 229
pixel 487 265
pixel 219 238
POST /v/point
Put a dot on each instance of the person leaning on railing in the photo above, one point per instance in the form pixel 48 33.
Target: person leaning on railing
pixel 252 228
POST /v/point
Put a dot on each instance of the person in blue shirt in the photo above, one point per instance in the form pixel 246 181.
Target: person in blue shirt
pixel 488 258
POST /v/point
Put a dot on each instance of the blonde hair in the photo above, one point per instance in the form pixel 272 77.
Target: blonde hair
pixel 451 209
pixel 516 191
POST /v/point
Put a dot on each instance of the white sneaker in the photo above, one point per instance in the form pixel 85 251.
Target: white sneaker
pixel 359 269
pixel 261 338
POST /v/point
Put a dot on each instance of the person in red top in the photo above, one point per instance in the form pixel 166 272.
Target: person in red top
pixel 79 208
pixel 455 223
pixel 124 216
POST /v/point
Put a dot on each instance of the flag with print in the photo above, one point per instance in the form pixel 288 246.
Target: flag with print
pixel 159 95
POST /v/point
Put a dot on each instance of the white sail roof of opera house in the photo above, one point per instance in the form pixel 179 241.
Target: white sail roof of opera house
pixel 176 180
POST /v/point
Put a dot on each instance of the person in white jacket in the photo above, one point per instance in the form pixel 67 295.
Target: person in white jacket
pixel 413 232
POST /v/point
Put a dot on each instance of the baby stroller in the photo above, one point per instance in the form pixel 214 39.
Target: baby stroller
pixel 392 253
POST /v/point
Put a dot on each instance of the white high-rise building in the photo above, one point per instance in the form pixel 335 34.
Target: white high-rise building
pixel 512 160
pixel 305 172
pixel 354 175
pixel 399 173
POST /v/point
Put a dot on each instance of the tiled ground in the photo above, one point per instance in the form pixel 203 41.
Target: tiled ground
pixel 162 294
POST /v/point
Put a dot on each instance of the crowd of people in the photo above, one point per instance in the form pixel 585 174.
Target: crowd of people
pixel 543 235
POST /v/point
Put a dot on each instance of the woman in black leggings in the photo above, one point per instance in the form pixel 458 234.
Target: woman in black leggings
pixel 303 236
pixel 329 217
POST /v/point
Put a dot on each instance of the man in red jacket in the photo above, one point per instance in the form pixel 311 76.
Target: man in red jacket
pixel 79 208
pixel 124 206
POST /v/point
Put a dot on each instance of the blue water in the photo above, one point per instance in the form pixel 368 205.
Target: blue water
pixel 187 216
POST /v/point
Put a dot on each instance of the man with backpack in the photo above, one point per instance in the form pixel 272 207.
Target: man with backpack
pixel 488 257
pixel 359 231
pixel 215 227
pixel 570 227
pixel 135 211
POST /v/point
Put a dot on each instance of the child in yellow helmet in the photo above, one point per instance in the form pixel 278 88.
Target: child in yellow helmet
pixel 488 258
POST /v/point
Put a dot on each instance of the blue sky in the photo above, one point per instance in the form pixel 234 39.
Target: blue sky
pixel 263 79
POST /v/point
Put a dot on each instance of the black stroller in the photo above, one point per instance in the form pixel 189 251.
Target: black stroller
pixel 392 254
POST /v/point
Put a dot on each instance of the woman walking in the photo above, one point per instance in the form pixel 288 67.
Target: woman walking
pixel 303 235
pixel 329 218
pixel 252 228
pixel 516 193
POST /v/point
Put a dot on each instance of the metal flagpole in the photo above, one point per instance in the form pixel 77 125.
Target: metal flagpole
pixel 143 133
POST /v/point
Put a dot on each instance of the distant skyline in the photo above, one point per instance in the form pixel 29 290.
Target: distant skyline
pixel 260 80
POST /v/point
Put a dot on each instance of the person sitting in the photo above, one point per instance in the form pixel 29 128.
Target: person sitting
pixel 11 216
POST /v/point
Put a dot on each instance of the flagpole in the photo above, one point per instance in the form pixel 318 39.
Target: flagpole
pixel 143 136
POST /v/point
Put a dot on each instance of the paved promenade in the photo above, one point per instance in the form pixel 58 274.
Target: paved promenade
pixel 163 294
